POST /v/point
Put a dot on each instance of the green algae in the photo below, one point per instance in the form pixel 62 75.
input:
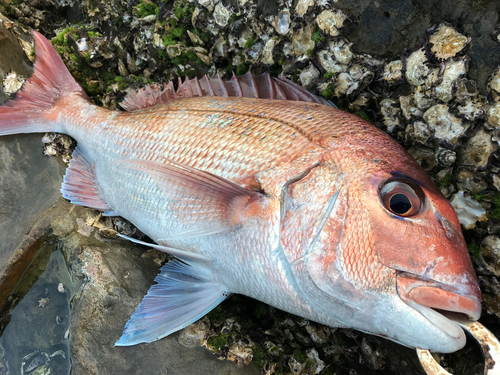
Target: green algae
pixel 474 248
pixel 146 9
pixel 447 180
pixel 220 341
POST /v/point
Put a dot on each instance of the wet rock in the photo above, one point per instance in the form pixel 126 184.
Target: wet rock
pixel 29 185
pixel 36 339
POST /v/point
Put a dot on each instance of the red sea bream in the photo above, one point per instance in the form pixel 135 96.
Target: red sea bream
pixel 295 203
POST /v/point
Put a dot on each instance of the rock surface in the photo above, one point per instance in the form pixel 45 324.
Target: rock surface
pixel 28 181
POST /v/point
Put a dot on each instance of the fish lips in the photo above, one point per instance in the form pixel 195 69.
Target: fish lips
pixel 439 302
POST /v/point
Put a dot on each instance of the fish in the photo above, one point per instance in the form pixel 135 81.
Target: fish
pixel 258 187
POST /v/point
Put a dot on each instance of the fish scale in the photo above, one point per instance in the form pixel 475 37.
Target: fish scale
pixel 288 202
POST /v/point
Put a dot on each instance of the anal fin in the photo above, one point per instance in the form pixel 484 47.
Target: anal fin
pixel 80 186
pixel 184 294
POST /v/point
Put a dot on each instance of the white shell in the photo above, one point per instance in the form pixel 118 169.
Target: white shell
pixel 417 71
pixel 281 22
pixel 447 42
pixel 419 132
pixel 308 75
pixel 468 210
pixel 446 126
pixel 302 42
pixel 267 52
pixel 393 71
pixel 327 61
pixel 494 84
pixel 477 150
pixel 391 112
pixel 409 108
pixel 452 71
pixel 302 6
pixel 330 22
pixel 493 115
pixel 12 83
pixel 345 85
pixel 342 51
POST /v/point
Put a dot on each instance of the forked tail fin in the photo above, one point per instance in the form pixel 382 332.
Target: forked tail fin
pixel 34 109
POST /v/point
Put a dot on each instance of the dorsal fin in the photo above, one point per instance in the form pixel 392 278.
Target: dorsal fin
pixel 248 86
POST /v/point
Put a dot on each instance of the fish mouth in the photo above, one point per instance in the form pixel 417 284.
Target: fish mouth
pixel 440 303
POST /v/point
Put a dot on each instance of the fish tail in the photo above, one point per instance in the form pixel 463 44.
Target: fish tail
pixel 35 109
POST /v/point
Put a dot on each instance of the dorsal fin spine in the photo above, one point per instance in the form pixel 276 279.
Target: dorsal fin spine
pixel 247 85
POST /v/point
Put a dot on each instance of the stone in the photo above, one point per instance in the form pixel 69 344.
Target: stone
pixel 117 275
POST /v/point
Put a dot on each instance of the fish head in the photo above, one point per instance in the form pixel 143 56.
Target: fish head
pixel 417 234
pixel 391 259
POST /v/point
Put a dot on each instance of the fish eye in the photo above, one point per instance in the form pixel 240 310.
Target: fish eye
pixel 402 197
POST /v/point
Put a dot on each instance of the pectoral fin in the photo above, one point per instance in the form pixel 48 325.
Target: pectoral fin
pixel 184 294
pixel 204 203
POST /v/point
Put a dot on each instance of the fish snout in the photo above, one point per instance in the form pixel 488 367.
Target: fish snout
pixel 464 297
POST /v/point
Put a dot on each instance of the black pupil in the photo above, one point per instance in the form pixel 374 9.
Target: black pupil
pixel 400 204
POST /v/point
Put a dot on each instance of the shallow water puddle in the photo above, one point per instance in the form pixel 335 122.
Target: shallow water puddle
pixel 35 341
